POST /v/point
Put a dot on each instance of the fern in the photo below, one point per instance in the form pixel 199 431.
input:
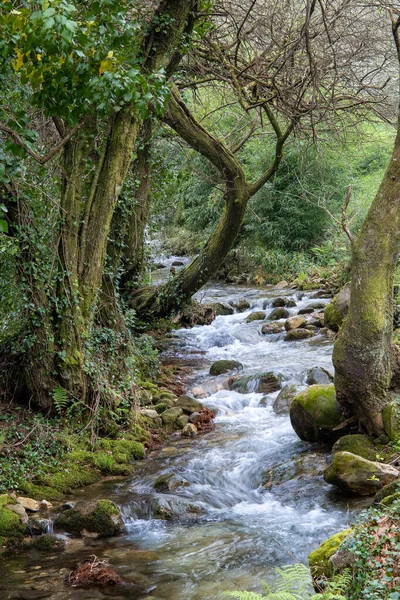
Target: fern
pixel 337 588
pixel 60 398
pixel 294 583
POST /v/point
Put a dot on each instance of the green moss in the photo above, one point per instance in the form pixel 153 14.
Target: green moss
pixel 333 318
pixel 46 542
pixel 391 420
pixel 6 499
pixel 101 517
pixel 135 450
pixel 161 407
pixel 389 490
pixel 10 523
pixel 70 476
pixel 319 559
pixel 314 413
pixel 40 492
pixel 363 446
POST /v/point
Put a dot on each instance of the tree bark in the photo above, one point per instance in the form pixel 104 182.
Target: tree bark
pixel 362 354
pixel 168 298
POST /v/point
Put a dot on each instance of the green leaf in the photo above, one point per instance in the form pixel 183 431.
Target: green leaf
pixel 3 226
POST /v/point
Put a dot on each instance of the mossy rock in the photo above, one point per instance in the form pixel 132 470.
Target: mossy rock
pixel 241 305
pixel 171 414
pixel 46 542
pixel 222 309
pixel 391 420
pixel 71 475
pixel 363 446
pixel 40 492
pixel 256 316
pixel 10 522
pixel 278 313
pixel 188 404
pixel 261 383
pixel 355 475
pixel 160 407
pixel 336 310
pixel 224 366
pixel 284 399
pixel 298 334
pixel 314 413
pixel 319 559
pixel 101 518
pixel 388 493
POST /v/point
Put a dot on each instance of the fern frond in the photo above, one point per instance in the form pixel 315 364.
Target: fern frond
pixel 60 398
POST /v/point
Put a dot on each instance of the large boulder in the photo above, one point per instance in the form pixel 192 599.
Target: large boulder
pixel 336 310
pixel 319 560
pixel 278 313
pixel 314 414
pixel 356 475
pixel 100 518
pixel 295 322
pixel 298 334
pixel 318 375
pixel 284 399
pixel 224 366
pixel 261 383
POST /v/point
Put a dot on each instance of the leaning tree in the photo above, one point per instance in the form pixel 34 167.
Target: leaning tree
pixel 289 68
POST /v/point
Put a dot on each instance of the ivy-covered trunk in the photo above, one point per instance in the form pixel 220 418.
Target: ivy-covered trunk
pixel 362 353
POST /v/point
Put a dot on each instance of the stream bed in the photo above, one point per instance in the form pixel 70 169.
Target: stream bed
pixel 227 530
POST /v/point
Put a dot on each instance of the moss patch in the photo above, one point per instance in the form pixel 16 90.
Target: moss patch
pixel 315 412
pixel 363 446
pixel 319 559
pixel 101 518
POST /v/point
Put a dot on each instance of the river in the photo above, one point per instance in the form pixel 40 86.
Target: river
pixel 229 532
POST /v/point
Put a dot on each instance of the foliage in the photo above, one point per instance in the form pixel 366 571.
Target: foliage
pixel 293 583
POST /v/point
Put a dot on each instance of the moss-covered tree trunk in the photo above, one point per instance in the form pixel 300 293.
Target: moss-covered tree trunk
pixel 362 353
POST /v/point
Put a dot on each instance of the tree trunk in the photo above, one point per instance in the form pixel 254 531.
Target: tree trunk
pixel 362 353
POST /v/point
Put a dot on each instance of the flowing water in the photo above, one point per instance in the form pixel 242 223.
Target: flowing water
pixel 227 531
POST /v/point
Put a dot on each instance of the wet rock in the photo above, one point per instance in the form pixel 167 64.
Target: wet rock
pixel 46 542
pixel 278 313
pixel 281 285
pixel 306 467
pixel 45 505
pixel 291 303
pixel 284 399
pixel 310 308
pixel 241 305
pixel 224 366
pixel 169 482
pixel 171 510
pixel 329 333
pixel 188 404
pixel 261 383
pixel 336 310
pixel 319 294
pixel 182 421
pixel 189 430
pixel 298 334
pixel 256 316
pixel 271 328
pixel 177 263
pixel 100 518
pixel 314 413
pixel 295 322
pixel 363 446
pixel 318 375
pixel 149 413
pixel 171 414
pixel 222 309
pixel 356 475
pixel 29 504
pixel 38 526
pixel 193 314
pixel 310 327
pixel 159 266
pixel 195 418
pixel 319 559
pixel 276 302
